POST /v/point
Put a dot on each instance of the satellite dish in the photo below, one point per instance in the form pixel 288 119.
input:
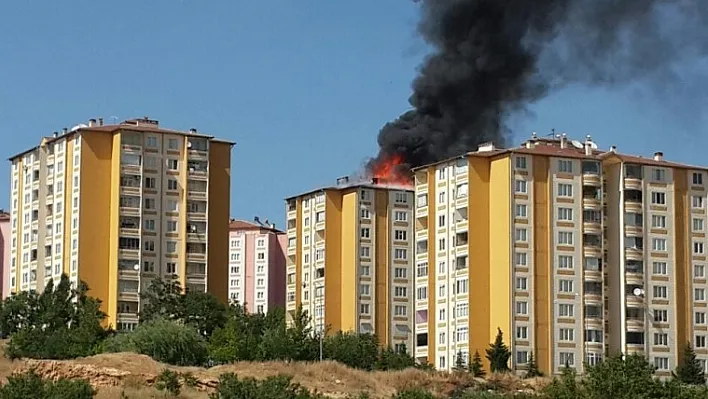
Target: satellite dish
pixel 637 291
pixel 593 145
pixel 577 144
pixel 77 127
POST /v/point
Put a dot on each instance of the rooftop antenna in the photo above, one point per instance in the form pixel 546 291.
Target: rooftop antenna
pixel 114 119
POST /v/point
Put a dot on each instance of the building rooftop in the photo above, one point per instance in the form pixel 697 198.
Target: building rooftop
pixel 344 183
pixel 4 216
pixel 137 125
pixel 238 224
pixel 561 146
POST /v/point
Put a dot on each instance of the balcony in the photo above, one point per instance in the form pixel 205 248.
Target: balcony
pixel 197 147
pixel 461 241
pixel 127 308
pixel 592 244
pixel 196 269
pixel 196 210
pixel 633 177
pixel 593 313
pixel 129 247
pixel 130 205
pixel 197 169
pixel 634 270
pixel 633 200
pixel 592 197
pixel 634 247
pixel 591 172
pixel 130 225
pixel 592 288
pixel 197 189
pixel 460 218
pixel 592 220
pixel 461 263
pixel 196 252
pixel 634 222
pixel 196 231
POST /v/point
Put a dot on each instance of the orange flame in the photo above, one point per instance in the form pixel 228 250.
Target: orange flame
pixel 389 170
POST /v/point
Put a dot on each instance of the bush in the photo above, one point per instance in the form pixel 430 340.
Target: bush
pixel 357 351
pixel 31 385
pixel 164 341
pixel 168 381
pixel 278 387
pixel 415 393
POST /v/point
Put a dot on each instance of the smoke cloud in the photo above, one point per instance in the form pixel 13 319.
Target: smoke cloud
pixel 493 58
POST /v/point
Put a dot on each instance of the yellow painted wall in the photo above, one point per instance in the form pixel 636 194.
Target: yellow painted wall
pixel 543 275
pixel 348 262
pixel 432 268
pixel 95 218
pixel 684 273
pixel 500 248
pixel 218 219
pixel 333 257
pixel 479 246
pixel 382 310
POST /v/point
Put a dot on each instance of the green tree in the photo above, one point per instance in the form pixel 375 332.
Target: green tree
pixel 567 387
pixel 532 368
pixel 498 354
pixel 168 381
pixel 163 340
pixel 277 387
pixel 161 300
pixel 355 350
pixel 390 359
pixel 619 377
pixel 475 367
pixel 690 370
pixel 460 365
pixel 59 323
pixel 203 311
pixel 31 385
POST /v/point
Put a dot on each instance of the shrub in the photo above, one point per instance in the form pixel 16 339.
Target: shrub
pixel 415 393
pixel 164 341
pixel 168 381
pixel 278 387
pixel 31 385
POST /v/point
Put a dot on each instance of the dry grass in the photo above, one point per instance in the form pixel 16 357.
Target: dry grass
pixel 133 375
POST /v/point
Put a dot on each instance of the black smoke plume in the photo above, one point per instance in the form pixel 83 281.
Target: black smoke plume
pixel 493 58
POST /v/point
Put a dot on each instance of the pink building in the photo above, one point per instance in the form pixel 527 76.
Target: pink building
pixel 256 265
pixel 5 237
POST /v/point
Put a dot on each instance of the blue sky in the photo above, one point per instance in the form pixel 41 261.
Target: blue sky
pixel 302 86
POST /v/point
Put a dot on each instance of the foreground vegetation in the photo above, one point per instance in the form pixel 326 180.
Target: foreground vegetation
pixel 194 329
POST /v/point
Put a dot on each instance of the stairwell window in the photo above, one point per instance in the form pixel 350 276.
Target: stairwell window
pixel 658 198
pixel 658 244
pixel 520 186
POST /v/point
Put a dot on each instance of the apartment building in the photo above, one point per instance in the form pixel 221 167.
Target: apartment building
pixel 349 259
pixel 118 205
pixel 545 242
pixel 256 265
pixel 5 240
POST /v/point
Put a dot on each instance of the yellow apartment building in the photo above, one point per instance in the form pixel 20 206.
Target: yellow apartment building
pixel 118 205
pixel 572 252
pixel 349 257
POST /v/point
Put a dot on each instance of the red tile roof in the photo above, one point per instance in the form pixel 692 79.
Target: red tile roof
pixel 236 224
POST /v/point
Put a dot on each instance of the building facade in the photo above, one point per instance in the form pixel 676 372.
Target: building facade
pixel 5 241
pixel 349 259
pixel 116 206
pixel 546 243
pixel 256 265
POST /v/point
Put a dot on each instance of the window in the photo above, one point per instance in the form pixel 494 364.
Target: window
pixel 522 308
pixel 400 272
pixel 462 190
pixel 149 225
pixel 658 198
pixel 659 268
pixel 566 334
pixel 521 283
pixel 365 232
pixel 658 244
pixel 699 318
pixel 658 221
pixel 699 294
pixel 172 184
pixel 422 200
pixel 565 190
pixel 441 174
pixel 520 162
pixel 521 258
pixel 565 166
pixel 149 203
pixel 172 164
pixel 565 285
pixel 421 293
pixel 700 341
pixel 400 253
pixel 365 252
pixel 319 217
pixel 520 211
pixel 151 141
pixel 522 357
pixel 171 226
pixel 565 238
pixel 520 186
pixel 364 213
pixel 661 363
pixel 400 310
pixel 441 221
pixel 401 216
pixel 661 316
pixel 462 309
pixel 521 235
pixel 697 247
pixel 172 144
pixel 566 310
pixel 401 292
pixel 697 178
pixel 441 244
pixel 149 182
pixel 400 198
pixel 522 332
pixel 149 266
pixel 565 262
pixel 659 174
pixel 565 214
pixel 422 269
pixel 698 224
pixel 699 271
pixel 660 291
pixel 400 235
pixel 697 201
pixel 661 339
pixel 171 247
pixel 566 359
pixel 172 206
pixel 364 289
pixel 462 286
